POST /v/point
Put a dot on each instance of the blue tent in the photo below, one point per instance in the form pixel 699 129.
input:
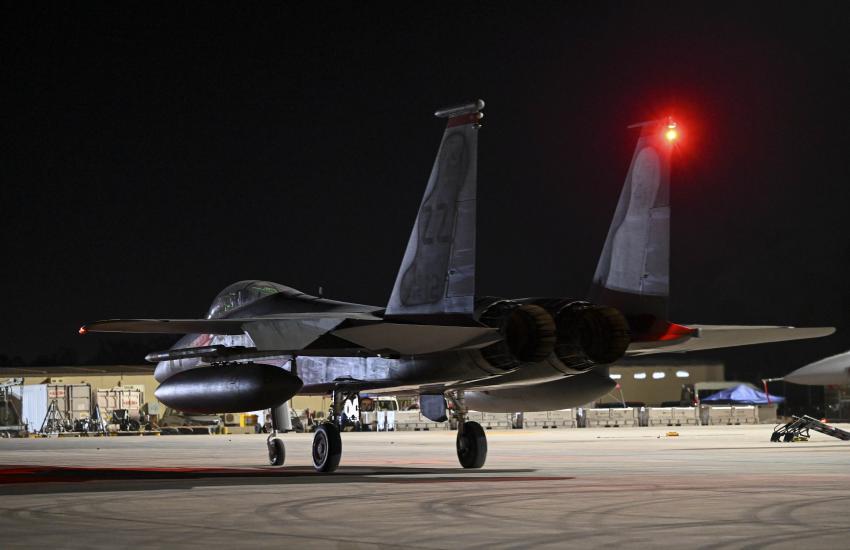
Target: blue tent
pixel 742 394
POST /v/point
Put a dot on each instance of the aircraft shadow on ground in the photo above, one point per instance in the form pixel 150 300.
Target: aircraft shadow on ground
pixel 27 480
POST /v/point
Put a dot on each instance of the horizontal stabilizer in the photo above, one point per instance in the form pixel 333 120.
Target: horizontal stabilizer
pixel 726 336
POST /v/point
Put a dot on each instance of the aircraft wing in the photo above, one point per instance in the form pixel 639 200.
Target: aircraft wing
pixel 209 326
pixel 703 337
pixel 292 332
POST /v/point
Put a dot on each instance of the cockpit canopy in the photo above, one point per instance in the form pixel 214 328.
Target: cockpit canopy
pixel 242 293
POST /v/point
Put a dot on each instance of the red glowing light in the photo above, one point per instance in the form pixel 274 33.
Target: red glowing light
pixel 83 330
pixel 671 134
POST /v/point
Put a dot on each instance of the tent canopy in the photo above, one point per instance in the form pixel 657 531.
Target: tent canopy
pixel 744 395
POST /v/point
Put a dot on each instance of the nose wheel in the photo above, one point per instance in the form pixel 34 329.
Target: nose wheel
pixel 277 451
pixel 327 448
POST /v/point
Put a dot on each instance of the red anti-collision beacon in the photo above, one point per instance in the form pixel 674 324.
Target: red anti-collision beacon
pixel 671 133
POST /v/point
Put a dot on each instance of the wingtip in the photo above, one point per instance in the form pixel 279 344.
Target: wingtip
pixel 83 330
pixel 817 332
pixel 829 331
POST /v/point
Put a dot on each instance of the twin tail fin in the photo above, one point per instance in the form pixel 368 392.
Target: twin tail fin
pixel 436 280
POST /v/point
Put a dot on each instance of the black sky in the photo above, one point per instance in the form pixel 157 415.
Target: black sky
pixel 153 154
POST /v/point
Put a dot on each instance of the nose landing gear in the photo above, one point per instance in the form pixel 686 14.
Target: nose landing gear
pixel 277 451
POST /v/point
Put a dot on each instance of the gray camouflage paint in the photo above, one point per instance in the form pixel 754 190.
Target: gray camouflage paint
pixel 437 274
pixel 636 257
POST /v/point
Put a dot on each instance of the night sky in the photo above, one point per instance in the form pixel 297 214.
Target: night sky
pixel 152 155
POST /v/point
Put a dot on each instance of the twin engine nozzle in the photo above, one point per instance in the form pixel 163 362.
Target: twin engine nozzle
pixel 589 334
pixel 580 334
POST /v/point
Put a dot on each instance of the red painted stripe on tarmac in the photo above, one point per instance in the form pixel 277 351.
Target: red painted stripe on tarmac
pixel 42 474
pixel 70 474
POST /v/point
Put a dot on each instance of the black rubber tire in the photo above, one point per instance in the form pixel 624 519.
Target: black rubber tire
pixel 327 448
pixel 277 452
pixel 472 445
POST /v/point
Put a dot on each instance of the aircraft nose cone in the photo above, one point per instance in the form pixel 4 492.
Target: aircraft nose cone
pixel 832 371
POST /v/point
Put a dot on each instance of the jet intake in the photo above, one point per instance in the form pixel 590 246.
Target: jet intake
pixel 528 331
pixel 232 387
pixel 589 334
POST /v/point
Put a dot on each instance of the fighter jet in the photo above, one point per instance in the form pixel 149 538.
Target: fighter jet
pixel 832 371
pixel 261 343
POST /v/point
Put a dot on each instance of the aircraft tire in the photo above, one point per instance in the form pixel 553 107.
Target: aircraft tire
pixel 277 452
pixel 472 445
pixel 327 448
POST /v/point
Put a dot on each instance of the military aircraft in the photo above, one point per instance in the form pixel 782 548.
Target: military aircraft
pixel 436 338
pixel 831 371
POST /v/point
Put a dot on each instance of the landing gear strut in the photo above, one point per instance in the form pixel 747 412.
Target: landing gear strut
pixel 471 439
pixel 327 444
pixel 277 451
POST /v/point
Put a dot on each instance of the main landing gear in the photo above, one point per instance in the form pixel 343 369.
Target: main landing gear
pixel 471 439
pixel 327 448
pixel 327 444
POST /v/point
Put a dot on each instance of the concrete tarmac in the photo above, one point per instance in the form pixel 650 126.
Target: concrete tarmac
pixel 710 487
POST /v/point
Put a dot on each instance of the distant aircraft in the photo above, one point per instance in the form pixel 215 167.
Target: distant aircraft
pixel 436 338
pixel 832 371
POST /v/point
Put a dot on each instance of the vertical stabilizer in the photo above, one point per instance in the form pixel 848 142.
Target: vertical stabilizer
pixel 633 273
pixel 437 275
